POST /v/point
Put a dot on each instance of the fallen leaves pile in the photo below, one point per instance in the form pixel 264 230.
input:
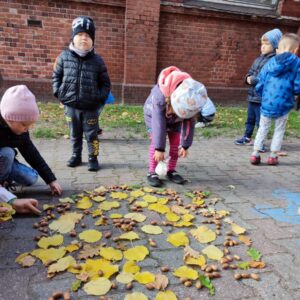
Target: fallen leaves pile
pixel 7 215
pixel 107 254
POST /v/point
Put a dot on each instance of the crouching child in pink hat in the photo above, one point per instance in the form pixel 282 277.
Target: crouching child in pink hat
pixel 169 111
pixel 18 112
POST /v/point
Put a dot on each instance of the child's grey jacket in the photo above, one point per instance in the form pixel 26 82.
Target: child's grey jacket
pixel 254 71
pixel 159 124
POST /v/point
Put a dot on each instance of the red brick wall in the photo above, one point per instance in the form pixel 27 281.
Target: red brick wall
pixel 291 8
pixel 137 39
pixel 28 53
pixel 214 50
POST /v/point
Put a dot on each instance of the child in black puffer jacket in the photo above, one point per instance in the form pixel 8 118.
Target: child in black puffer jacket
pixel 81 82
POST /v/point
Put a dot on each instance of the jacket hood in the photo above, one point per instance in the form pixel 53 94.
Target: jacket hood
pixel 282 63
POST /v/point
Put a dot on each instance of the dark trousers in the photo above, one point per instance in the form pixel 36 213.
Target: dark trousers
pixel 253 117
pixel 83 122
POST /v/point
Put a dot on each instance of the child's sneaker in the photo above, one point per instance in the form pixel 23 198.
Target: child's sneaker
pixel 255 160
pixel 272 161
pixel 175 177
pixel 154 180
pixel 243 141
pixel 200 125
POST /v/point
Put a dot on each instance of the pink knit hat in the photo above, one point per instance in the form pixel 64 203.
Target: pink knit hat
pixel 19 104
pixel 169 78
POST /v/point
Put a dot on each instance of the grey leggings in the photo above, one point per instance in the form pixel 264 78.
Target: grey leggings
pixel 264 126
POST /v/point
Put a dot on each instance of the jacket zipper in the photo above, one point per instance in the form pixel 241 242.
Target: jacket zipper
pixel 79 79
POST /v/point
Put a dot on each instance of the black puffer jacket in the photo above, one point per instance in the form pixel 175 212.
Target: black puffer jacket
pixel 80 82
pixel 24 144
pixel 253 72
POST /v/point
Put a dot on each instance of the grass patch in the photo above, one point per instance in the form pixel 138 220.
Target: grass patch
pixel 128 120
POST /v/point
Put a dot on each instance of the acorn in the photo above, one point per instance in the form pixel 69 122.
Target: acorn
pixel 237 276
pixel 255 276
pixel 188 283
pixel 67 296
pixel 198 285
pixel 129 286
pixel 57 295
pixel 165 269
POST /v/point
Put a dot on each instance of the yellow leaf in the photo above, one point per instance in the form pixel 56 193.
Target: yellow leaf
pixel 108 205
pixel 179 210
pixel 178 239
pixel 55 240
pixel 101 221
pixel 131 267
pixel 186 272
pixel 6 216
pixel 98 198
pixel 162 200
pixel 66 222
pixel 223 213
pixel 115 216
pixel 84 203
pixel 90 236
pixel 144 277
pixel 48 255
pixel 100 189
pixel 118 195
pixel 150 198
pixel 110 253
pixel 61 265
pixel 97 213
pixel 136 296
pixel 47 206
pixel 187 217
pixel 166 295
pixel 92 267
pixel 137 253
pixel 151 229
pixel 72 247
pixel 246 240
pixel 141 203
pixel 137 193
pixel 147 189
pixel 98 287
pixel 124 278
pixel 136 217
pixel 213 252
pixel 130 235
pixel 237 229
pixel 160 208
pixel 203 234
pixel 200 261
pixel 172 217
pixel 66 200
pixel 183 224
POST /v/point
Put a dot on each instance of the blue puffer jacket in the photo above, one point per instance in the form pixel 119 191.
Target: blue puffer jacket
pixel 279 82
pixel 253 72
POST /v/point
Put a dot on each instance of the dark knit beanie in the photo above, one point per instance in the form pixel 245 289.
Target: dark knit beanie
pixel 83 24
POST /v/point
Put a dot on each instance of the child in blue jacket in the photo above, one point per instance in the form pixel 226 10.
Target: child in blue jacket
pixel 279 83
pixel 269 44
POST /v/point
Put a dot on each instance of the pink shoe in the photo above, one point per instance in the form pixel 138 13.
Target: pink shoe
pixel 272 161
pixel 255 160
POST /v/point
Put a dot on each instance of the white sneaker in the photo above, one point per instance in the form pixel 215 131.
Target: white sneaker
pixel 200 125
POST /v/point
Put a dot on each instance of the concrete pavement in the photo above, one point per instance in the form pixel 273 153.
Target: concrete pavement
pixel 264 199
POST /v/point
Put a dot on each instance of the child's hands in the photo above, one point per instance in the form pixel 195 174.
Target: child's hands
pixel 55 187
pixel 25 206
pixel 182 152
pixel 249 79
pixel 158 156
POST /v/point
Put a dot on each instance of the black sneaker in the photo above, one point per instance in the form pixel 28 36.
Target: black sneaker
pixel 243 141
pixel 154 180
pixel 93 164
pixel 74 161
pixel 175 177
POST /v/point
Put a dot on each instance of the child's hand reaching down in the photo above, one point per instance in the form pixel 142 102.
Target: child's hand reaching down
pixel 159 156
pixel 55 187
pixel 25 206
pixel 182 152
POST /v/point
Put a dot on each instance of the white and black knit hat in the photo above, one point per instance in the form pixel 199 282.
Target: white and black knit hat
pixel 83 24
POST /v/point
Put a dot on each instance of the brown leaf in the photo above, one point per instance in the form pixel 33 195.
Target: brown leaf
pixel 89 251
pixel 161 282
pixel 188 251
pixel 179 210
pixel 28 261
pixel 257 264
pixel 84 276
pixel 246 240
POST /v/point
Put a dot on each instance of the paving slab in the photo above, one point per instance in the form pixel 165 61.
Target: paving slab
pixel 253 195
